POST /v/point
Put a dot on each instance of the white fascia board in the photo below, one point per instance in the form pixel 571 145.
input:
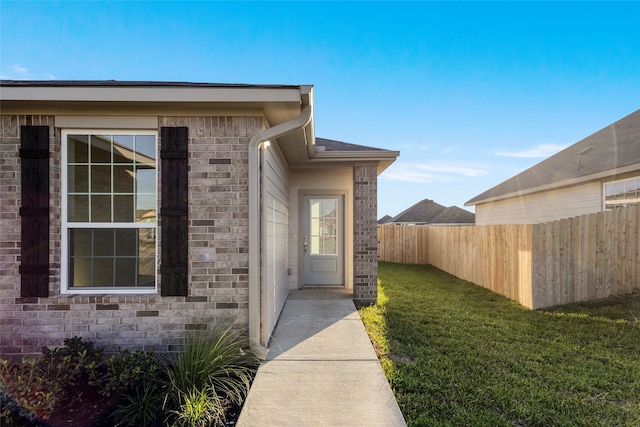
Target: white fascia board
pixel 150 94
pixel 384 158
pixel 362 155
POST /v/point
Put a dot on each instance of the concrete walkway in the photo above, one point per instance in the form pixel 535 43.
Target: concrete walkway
pixel 321 369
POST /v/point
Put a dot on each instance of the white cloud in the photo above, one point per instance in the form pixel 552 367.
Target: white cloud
pixel 20 72
pixel 425 173
pixel 544 150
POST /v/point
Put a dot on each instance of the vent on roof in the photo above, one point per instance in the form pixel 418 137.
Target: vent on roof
pixel 580 154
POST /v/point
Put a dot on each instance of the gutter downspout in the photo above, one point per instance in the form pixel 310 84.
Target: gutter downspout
pixel 255 294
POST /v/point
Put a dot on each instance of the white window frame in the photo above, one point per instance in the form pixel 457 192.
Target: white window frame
pixel 604 190
pixel 65 225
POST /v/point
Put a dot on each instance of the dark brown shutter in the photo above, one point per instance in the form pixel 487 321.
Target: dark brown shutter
pixel 173 211
pixel 34 211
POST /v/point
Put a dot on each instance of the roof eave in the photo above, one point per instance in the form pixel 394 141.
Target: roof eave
pixel 160 94
pixel 384 157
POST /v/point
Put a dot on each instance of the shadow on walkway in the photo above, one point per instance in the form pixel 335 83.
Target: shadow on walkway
pixel 321 369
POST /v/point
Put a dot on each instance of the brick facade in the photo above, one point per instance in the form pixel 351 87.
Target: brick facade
pixel 218 250
pixel 365 233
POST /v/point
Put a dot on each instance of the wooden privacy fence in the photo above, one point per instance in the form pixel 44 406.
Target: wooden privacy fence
pixel 577 259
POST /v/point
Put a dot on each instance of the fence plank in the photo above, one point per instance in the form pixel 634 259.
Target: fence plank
pixel 576 259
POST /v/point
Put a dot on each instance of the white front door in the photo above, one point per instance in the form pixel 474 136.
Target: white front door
pixel 323 240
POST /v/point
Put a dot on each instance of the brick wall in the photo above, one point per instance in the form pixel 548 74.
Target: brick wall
pixel 365 233
pixel 218 251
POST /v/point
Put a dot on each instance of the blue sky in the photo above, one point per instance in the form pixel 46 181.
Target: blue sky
pixel 469 93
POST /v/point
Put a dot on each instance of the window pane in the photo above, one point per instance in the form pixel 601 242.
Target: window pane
pixel 78 179
pixel 80 272
pixel 145 203
pixel 146 272
pixel 78 149
pixel 101 208
pixel 78 209
pixel 100 179
pixel 80 241
pixel 147 242
pixel 123 149
pixel 123 210
pixel 125 272
pixel 126 242
pixel 123 179
pixel 148 216
pixel 329 245
pixel 102 272
pixel 100 149
pixel 103 242
pixel 146 180
pixel 145 148
pixel 329 209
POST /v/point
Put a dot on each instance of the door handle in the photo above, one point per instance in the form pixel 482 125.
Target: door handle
pixel 305 244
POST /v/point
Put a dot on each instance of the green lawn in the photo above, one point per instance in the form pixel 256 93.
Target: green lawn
pixel 456 354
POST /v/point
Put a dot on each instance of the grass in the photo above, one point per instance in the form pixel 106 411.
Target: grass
pixel 457 354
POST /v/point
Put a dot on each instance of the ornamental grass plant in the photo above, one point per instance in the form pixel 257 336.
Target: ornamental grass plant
pixel 457 354
pixel 211 375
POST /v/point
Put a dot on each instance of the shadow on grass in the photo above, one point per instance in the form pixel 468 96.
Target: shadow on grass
pixel 458 354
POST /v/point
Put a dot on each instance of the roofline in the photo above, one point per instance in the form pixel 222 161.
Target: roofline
pixel 384 158
pixel 557 185
pixel 131 91
pixel 133 83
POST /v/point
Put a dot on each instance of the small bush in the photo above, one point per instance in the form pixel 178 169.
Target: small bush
pixel 124 371
pixel 38 385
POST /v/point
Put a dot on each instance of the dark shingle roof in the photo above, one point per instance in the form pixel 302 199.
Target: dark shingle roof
pixel 454 215
pixel 385 219
pixel 613 147
pixel 429 212
pixel 332 145
pixel 422 212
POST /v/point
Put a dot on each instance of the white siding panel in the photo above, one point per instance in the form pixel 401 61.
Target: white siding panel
pixel 275 235
pixel 542 207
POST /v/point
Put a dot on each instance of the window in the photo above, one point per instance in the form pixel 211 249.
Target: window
pixel 109 200
pixel 622 193
pixel 324 226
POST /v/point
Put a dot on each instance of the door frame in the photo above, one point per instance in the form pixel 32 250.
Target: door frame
pixel 347 230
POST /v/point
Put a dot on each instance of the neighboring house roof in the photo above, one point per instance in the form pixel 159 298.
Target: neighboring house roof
pixel 610 151
pixel 454 215
pixel 429 212
pixel 385 219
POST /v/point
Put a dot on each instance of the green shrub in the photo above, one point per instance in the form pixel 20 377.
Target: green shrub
pixel 124 371
pixel 210 374
pixel 38 385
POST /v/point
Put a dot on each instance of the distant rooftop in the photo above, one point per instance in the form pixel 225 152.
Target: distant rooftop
pixel 429 212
